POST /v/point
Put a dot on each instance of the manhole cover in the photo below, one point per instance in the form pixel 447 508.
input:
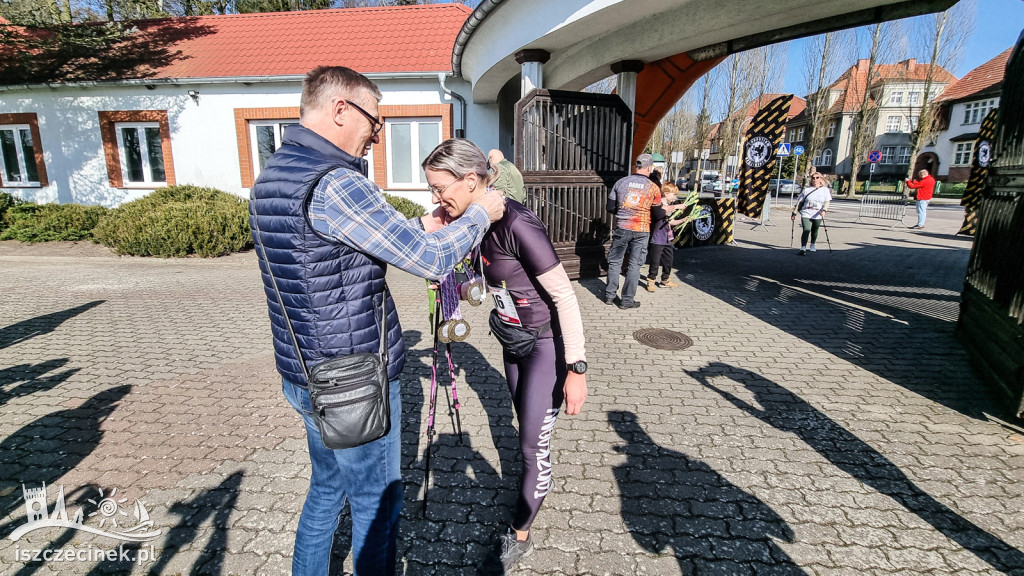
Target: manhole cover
pixel 663 339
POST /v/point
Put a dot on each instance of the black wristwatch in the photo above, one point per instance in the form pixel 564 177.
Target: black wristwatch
pixel 579 366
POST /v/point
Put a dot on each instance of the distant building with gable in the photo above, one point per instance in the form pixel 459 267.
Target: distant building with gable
pixel 963 105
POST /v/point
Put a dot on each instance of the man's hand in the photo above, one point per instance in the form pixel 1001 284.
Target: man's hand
pixel 435 220
pixel 494 202
pixel 575 392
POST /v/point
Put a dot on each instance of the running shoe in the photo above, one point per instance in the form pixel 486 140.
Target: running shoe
pixel 625 306
pixel 513 550
pixel 814 248
pixel 668 284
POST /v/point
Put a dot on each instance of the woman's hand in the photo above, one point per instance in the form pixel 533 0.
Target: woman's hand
pixel 575 392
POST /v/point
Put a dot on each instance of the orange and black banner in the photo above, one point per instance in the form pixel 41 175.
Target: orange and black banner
pixel 979 171
pixel 763 138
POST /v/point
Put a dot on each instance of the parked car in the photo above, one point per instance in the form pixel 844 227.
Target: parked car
pixel 707 181
pixel 785 186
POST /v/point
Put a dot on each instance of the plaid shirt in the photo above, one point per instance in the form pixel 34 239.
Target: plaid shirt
pixel 348 207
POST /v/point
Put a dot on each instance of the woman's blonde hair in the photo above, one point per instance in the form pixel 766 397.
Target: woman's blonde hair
pixel 458 157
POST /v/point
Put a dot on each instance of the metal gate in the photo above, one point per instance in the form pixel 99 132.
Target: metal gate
pixel 571 148
pixel 991 324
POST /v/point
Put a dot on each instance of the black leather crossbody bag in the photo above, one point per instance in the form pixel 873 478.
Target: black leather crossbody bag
pixel 350 394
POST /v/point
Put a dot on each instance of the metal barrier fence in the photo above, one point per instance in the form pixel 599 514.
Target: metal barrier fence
pixel 885 206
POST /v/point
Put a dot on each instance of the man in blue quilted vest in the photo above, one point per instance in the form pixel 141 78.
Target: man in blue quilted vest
pixel 327 235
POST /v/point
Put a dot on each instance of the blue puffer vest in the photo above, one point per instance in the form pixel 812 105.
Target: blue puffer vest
pixel 328 288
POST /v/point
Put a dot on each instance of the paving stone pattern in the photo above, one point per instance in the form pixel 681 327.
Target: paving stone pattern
pixel 825 420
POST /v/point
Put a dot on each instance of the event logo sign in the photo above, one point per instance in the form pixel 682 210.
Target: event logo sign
pixel 971 199
pixel 763 138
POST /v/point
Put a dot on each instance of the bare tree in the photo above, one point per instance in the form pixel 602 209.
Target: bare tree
pixel 702 126
pixel 884 37
pixel 944 35
pixel 822 56
pixel 674 134
pixel 734 93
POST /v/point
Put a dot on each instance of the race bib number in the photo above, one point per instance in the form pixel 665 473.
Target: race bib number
pixel 505 306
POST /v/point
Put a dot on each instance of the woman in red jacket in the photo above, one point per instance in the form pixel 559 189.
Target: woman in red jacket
pixel 925 186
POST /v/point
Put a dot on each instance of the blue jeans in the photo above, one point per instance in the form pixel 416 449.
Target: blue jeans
pixel 922 212
pixel 636 242
pixel 368 476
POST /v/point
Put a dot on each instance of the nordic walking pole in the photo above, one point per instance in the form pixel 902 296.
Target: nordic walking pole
pixel 826 234
pixel 792 231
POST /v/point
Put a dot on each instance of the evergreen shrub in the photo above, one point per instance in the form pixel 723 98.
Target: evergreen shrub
pixel 178 221
pixel 30 222
pixel 407 207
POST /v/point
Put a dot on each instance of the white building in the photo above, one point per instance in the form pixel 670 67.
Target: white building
pixel 208 106
pixel 964 105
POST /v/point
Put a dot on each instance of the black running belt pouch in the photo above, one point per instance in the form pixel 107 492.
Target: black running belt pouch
pixel 517 341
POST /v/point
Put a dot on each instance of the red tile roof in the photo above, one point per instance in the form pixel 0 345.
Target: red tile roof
pixel 983 80
pixel 851 85
pixel 390 39
pixel 795 108
pixel 382 39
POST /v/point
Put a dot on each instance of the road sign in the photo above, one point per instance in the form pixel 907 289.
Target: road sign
pixel 872 167
pixel 874 156
pixel 783 150
pixel 798 150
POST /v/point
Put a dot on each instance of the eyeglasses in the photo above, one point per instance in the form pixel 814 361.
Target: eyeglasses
pixel 436 192
pixel 377 124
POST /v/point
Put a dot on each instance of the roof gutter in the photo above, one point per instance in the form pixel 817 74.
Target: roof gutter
pixel 206 80
pixel 468 28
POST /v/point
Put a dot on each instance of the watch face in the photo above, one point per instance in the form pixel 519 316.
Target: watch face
pixel 579 367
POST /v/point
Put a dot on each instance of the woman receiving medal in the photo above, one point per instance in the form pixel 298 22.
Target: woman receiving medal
pixel 536 317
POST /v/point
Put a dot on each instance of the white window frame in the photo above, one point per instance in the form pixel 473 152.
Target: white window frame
pixel 888 155
pixel 22 158
pixel 826 157
pixel 904 155
pixel 911 124
pixel 914 97
pixel 254 149
pixel 896 97
pixel 147 173
pixel 798 135
pixel 832 129
pixel 963 155
pixel 894 123
pixel 415 122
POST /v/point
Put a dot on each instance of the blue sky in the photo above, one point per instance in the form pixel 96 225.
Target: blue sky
pixel 997 24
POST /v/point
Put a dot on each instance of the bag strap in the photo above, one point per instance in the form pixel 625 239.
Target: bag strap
pixel 383 348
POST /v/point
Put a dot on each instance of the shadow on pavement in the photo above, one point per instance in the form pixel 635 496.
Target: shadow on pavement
pixel 28 329
pixel 46 449
pixel 788 412
pixel 214 505
pixel 890 309
pixel 49 447
pixel 31 378
pixel 670 500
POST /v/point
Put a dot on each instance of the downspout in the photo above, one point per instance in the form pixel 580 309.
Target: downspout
pixel 441 78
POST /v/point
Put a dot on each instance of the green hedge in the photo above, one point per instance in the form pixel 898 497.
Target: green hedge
pixel 29 222
pixel 7 201
pixel 407 207
pixel 178 221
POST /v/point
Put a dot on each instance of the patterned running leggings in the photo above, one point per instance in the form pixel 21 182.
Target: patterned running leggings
pixel 537 387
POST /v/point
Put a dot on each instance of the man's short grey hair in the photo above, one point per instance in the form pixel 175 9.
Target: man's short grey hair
pixel 458 157
pixel 326 82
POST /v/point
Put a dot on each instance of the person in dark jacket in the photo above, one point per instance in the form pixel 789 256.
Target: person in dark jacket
pixel 327 235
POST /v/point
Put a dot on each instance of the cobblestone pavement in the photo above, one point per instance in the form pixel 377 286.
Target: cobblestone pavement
pixel 825 420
